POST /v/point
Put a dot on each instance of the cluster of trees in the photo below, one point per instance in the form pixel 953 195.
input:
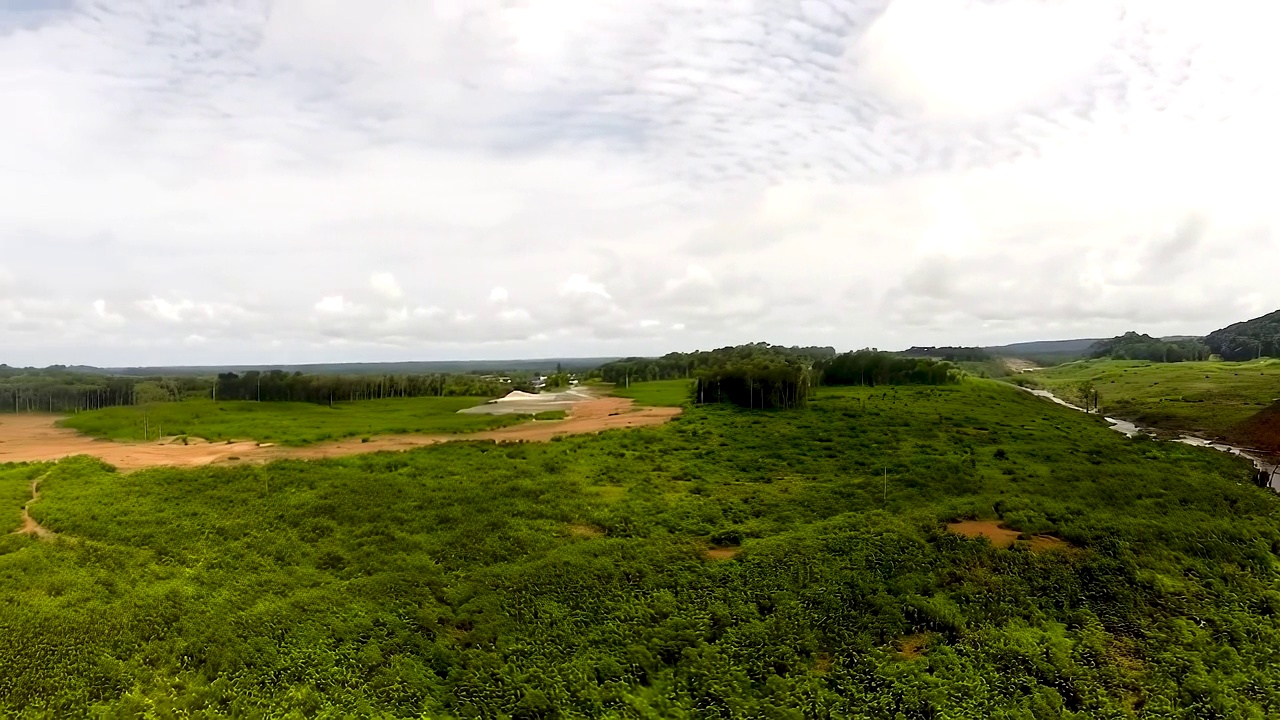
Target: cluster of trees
pixel 280 386
pixel 759 384
pixel 872 367
pixel 770 376
pixel 1136 346
pixel 1259 337
pixel 676 366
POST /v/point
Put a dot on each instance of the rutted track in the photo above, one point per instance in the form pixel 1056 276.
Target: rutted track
pixel 36 438
pixel 29 524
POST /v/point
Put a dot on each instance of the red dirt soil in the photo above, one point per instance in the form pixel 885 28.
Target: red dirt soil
pixel 36 438
pixel 1003 537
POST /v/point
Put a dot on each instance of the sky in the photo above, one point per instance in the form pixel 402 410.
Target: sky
pixel 284 181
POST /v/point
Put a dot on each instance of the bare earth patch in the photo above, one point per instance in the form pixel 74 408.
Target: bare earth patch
pixel 912 646
pixel 584 530
pixel 1003 537
pixel 723 553
pixel 990 529
pixel 36 438
pixel 29 524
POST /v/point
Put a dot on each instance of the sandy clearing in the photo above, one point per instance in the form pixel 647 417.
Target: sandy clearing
pixel 36 438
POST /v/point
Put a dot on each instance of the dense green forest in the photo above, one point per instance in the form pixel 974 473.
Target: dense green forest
pixel 673 366
pixel 790 564
pixel 869 367
pixel 57 390
pixel 758 384
pixel 1135 346
pixel 279 386
pixel 1249 340
pixel 60 390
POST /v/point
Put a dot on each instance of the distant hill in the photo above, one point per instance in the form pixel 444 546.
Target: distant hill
pixel 1060 350
pixel 1137 346
pixel 1247 340
pixel 536 365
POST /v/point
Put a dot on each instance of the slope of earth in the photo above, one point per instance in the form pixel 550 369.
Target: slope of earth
pixel 731 563
pixel 1261 430
pixel 1210 399
pixel 35 438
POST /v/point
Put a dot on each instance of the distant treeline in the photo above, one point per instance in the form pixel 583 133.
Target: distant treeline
pixel 951 354
pixel 1136 346
pixel 279 386
pixel 58 390
pixel 675 366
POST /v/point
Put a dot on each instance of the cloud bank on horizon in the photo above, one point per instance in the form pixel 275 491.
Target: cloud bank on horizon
pixel 318 180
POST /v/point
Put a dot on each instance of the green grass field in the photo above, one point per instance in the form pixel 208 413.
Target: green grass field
pixel 657 393
pixel 571 578
pixel 288 423
pixel 1208 398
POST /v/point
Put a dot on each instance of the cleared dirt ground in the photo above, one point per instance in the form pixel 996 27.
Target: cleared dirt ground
pixel 29 438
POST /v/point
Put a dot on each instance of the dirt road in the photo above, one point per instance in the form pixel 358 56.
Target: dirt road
pixel 31 438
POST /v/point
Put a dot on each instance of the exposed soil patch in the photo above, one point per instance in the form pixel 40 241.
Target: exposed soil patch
pixel 1018 365
pixel 723 553
pixel 912 646
pixel 990 529
pixel 36 438
pixel 584 530
pixel 29 524
pixel 1003 537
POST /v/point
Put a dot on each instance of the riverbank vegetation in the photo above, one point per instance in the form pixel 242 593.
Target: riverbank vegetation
pixel 1213 399
pixel 733 563
pixel 286 423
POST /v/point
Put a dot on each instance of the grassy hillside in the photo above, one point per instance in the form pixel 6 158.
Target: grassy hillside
pixel 658 393
pixel 286 423
pixel 733 563
pixel 1209 398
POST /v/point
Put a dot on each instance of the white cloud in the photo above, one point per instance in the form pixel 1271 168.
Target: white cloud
pixel 385 285
pixel 582 285
pixel 332 304
pixel 104 314
pixel 840 172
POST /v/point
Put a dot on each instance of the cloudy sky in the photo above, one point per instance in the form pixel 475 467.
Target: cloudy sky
pixel 211 181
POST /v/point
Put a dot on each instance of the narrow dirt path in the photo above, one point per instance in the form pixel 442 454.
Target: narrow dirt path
pixel 29 524
pixel 37 438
